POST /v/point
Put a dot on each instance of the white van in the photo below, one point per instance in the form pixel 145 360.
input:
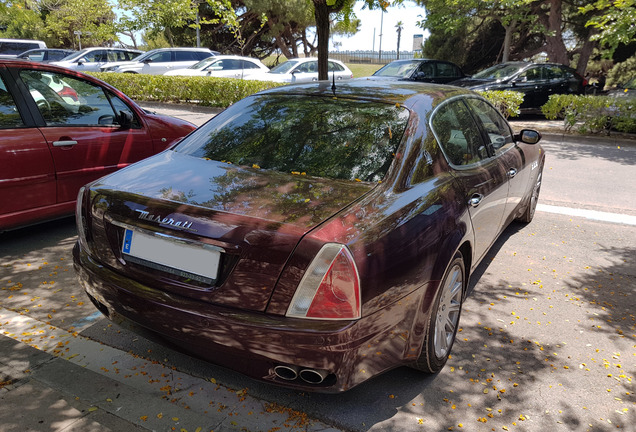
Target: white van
pixel 11 48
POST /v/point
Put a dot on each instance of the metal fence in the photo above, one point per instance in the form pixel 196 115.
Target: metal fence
pixel 373 57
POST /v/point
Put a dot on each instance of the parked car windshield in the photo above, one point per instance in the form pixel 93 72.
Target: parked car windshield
pixel 77 55
pixel 203 63
pixel 283 67
pixel 398 68
pixel 145 55
pixel 498 72
pixel 317 136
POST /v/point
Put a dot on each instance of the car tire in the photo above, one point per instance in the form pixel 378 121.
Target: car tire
pixel 442 324
pixel 531 208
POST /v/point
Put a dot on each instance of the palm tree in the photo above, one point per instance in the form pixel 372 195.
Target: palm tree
pixel 399 26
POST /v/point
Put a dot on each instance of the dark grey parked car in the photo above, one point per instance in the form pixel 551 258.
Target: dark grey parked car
pixel 422 70
pixel 537 81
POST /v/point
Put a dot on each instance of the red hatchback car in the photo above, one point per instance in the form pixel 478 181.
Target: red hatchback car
pixel 61 129
pixel 311 236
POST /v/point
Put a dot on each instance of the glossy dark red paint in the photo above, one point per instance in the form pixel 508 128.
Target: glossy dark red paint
pixel 403 233
pixel 40 180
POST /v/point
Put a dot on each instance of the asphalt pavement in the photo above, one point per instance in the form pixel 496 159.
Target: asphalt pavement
pixel 547 338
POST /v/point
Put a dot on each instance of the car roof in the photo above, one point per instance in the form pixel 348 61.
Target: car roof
pixel 110 49
pixel 230 56
pixel 180 49
pixel 388 91
pixel 306 59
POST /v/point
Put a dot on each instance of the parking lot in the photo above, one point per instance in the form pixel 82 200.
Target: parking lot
pixel 547 338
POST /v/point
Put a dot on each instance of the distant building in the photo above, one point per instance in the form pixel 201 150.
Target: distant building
pixel 418 40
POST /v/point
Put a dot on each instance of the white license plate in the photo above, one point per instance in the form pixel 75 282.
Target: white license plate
pixel 195 261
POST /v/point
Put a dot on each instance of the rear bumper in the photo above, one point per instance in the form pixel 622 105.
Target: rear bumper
pixel 254 343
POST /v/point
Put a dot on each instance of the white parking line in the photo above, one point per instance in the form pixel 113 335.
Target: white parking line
pixel 589 214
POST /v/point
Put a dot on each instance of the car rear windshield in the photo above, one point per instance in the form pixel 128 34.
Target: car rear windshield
pixel 328 137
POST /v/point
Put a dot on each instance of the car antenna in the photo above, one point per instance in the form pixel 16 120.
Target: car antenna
pixel 333 86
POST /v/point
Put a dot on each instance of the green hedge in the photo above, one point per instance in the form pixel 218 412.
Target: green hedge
pixel 223 92
pixel 506 101
pixel 217 92
pixel 593 114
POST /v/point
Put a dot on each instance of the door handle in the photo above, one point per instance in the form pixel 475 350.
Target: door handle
pixel 65 143
pixel 475 200
pixel 512 172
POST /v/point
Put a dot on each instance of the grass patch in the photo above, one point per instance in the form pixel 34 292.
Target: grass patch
pixel 363 69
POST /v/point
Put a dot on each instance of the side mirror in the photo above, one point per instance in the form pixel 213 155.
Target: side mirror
pixel 528 136
pixel 417 76
pixel 147 61
pixel 125 119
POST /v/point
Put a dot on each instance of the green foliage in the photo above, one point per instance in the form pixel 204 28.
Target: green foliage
pixel 506 101
pixel 20 23
pixel 94 18
pixel 622 72
pixel 207 91
pixel 593 114
pixel 614 21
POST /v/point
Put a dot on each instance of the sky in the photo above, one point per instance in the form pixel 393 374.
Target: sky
pixel 409 14
pixel 370 21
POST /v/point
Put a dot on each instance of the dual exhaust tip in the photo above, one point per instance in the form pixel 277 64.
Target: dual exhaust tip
pixel 290 373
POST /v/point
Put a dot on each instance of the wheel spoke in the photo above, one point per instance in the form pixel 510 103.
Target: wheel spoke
pixel 450 326
pixel 456 289
pixel 454 307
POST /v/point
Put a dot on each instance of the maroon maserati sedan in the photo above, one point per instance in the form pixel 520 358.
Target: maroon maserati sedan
pixel 61 129
pixel 312 235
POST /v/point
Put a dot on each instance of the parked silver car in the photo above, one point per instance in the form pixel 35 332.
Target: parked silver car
pixel 92 59
pixel 301 70
pixel 223 66
pixel 161 60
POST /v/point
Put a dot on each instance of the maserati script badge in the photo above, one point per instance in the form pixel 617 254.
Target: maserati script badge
pixel 164 220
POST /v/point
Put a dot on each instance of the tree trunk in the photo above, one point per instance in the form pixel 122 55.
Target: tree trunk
pixel 555 47
pixel 507 40
pixel 586 52
pixel 322 29
pixel 399 32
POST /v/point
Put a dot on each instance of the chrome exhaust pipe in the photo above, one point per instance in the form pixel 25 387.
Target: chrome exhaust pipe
pixel 288 373
pixel 313 376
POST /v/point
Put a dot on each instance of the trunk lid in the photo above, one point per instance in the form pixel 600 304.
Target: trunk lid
pixel 252 218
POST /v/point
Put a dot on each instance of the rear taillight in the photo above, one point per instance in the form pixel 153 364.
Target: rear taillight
pixel 330 288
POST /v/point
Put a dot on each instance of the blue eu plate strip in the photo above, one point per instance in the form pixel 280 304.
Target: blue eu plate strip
pixel 127 241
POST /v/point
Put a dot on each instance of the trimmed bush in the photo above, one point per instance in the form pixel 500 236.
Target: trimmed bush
pixel 592 114
pixel 506 101
pixel 206 91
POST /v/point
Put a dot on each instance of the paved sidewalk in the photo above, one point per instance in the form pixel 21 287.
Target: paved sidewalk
pixel 53 380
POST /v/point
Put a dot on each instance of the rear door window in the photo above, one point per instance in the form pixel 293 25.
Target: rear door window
pixel 494 125
pixel 63 100
pixel 458 134
pixel 447 70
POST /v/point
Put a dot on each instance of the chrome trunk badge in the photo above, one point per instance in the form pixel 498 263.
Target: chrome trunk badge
pixel 184 224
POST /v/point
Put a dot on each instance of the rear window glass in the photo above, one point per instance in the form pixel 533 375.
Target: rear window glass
pixel 334 138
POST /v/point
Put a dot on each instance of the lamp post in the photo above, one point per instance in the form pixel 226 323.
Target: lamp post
pixel 380 45
pixel 79 36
